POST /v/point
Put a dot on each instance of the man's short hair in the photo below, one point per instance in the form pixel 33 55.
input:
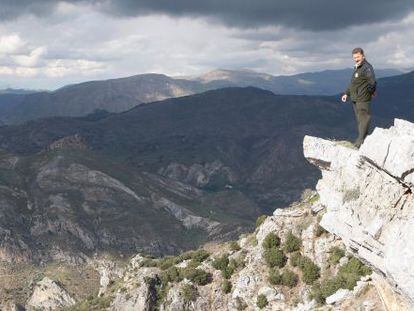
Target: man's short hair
pixel 358 50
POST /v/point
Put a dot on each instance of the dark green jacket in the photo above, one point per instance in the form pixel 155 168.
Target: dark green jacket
pixel 363 83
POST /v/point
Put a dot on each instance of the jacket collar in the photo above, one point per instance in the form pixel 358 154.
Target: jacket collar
pixel 360 64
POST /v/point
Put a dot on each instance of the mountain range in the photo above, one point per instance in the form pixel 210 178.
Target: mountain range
pixel 116 95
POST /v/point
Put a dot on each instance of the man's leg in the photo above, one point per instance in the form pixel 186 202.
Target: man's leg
pixel 356 119
pixel 363 110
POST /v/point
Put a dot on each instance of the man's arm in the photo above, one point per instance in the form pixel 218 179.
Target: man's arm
pixel 372 83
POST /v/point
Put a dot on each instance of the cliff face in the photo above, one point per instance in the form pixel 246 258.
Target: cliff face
pixel 368 198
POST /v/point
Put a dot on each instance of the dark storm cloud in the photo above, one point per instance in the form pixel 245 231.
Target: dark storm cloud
pixel 306 14
pixel 10 9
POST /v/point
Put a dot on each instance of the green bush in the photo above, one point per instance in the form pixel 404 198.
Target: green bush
pixel 260 220
pixel 262 301
pixel 289 278
pixel 336 254
pixel 197 276
pixel 275 278
pixel 319 231
pixel 220 263
pixel 166 262
pixel 274 257
pixel 200 255
pixel 234 246
pixel 310 271
pixel 271 241
pixel 354 266
pixel 295 259
pixel 189 292
pixel 292 242
pixel 185 256
pixel 193 263
pixel 240 304
pixel 173 274
pixel 226 286
pixel 226 266
pixel 148 262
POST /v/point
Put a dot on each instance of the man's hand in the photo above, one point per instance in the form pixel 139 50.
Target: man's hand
pixel 344 98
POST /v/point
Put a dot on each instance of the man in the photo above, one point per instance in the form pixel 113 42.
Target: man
pixel 361 90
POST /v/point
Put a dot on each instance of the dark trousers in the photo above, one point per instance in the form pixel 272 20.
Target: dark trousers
pixel 362 112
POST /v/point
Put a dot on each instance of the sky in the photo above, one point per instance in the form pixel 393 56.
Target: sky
pixel 46 44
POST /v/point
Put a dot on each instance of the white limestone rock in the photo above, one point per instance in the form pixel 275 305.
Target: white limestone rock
pixel 369 201
pixel 49 295
pixel 340 295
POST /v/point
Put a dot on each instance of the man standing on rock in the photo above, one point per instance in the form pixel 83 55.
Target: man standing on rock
pixel 361 90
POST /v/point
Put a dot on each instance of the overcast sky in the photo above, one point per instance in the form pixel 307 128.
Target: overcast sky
pixel 46 44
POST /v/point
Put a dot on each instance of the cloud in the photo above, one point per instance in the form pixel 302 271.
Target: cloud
pixel 10 43
pixel 89 40
pixel 315 15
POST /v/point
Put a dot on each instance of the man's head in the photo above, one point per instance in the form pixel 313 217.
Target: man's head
pixel 358 55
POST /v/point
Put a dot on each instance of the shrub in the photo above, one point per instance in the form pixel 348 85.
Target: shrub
pixel 274 257
pixel 310 271
pixel 271 241
pixel 319 231
pixel 234 246
pixel 226 286
pixel 226 273
pixel 166 262
pixel 240 304
pixel 197 276
pixel 240 260
pixel 193 263
pixel 289 278
pixel 148 262
pixel 173 274
pixel 292 242
pixel 354 266
pixel 226 266
pixel 261 301
pixel 275 278
pixel 260 220
pixel 189 292
pixel 220 263
pixel 336 254
pixel 185 256
pixel 200 255
pixel 295 259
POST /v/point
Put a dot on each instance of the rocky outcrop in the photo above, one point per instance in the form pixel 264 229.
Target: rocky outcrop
pixel 49 295
pixel 369 200
pixel 68 142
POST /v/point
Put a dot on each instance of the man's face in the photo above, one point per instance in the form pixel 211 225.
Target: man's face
pixel 358 57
